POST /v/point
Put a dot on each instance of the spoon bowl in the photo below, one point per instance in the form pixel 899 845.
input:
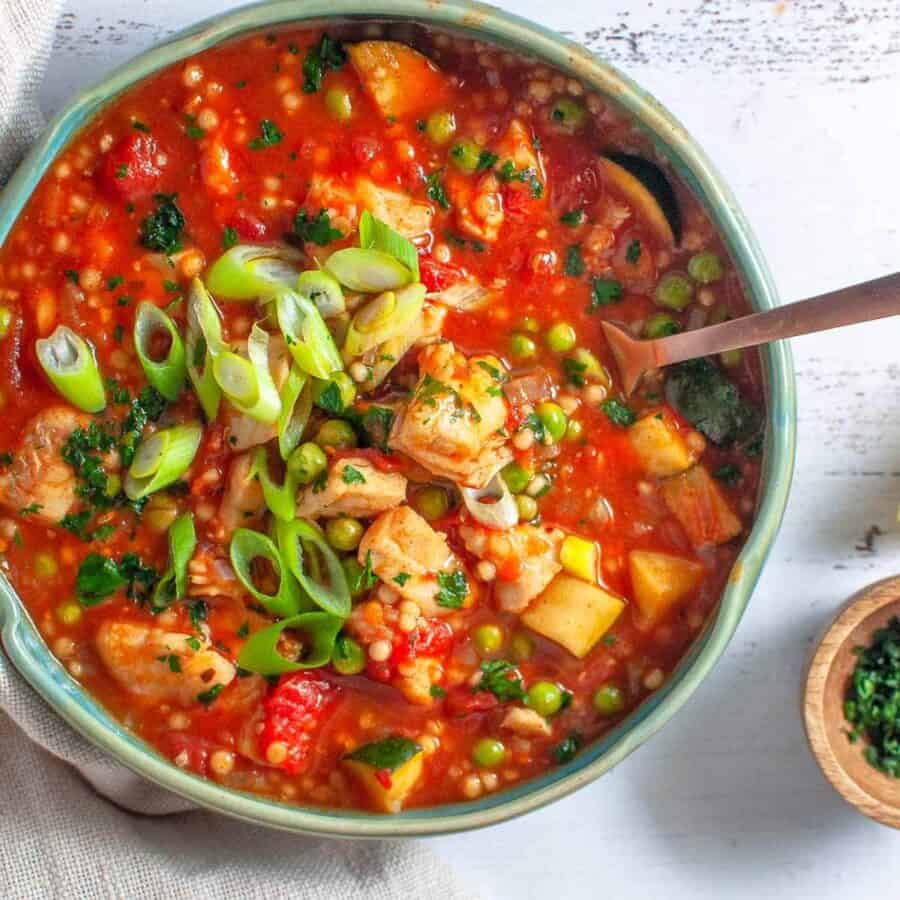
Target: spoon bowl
pixel 872 792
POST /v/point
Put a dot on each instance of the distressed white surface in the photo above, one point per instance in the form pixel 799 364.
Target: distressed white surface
pixel 797 103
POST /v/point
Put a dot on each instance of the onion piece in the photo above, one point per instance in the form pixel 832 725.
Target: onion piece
pixel 320 630
pixel 501 514
pixel 247 546
pixel 249 271
pixel 162 458
pixel 182 543
pixel 307 335
pixel 68 361
pixel 247 383
pixel 366 270
pixel 168 374
pixel 389 315
pixel 324 290
pixel 296 406
pixel 309 558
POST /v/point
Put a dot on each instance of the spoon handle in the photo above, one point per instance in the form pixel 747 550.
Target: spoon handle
pixel 857 303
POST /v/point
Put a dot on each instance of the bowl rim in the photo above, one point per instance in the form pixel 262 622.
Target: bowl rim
pixel 30 655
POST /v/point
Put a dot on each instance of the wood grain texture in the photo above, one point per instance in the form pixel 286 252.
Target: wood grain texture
pixel 796 103
pixel 872 792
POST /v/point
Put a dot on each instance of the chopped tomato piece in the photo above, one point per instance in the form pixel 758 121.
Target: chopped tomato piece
pixel 130 169
pixel 437 276
pixel 464 701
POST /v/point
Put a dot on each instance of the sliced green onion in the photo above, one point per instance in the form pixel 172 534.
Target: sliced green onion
pixel 69 362
pixel 320 631
pixel 167 374
pixel 182 543
pixel 324 290
pixel 247 383
pixel 247 546
pixel 307 553
pixel 386 316
pixel 281 499
pixel 367 270
pixel 296 405
pixel 204 344
pixel 377 235
pixel 162 458
pixel 307 335
pixel 248 271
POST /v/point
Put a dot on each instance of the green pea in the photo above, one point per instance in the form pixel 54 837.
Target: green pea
pixel 325 396
pixel 431 502
pixel 516 477
pixel 574 430
pixel 527 507
pixel 348 658
pixel 440 127
pixel 530 324
pixel 561 337
pixel 522 646
pixel 568 113
pixel 545 697
pixel 609 700
pixel 522 347
pixel 660 325
pixel 705 267
pixel 553 419
pixel 45 565
pixel 674 291
pixel 353 570
pixel 489 753
pixel 69 613
pixel 488 638
pixel 339 103
pixel 5 321
pixel 336 433
pixel 465 155
pixel 306 462
pixel 344 533
pixel 731 358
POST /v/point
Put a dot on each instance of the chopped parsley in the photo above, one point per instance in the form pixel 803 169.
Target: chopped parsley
pixel 536 426
pixel 6 458
pixel 453 588
pixel 574 371
pixel 376 424
pixel 604 291
pixel 122 171
pixel 192 129
pixel 437 692
pixel 367 579
pixel 402 578
pixel 269 135
pixel 198 612
pixel 320 482
pixel 567 749
pixel 618 413
pixel 229 238
pixel 100 577
pixel 330 399
pixel 728 474
pixel 31 509
pixel 434 189
pixel 83 451
pixel 316 230
pixel 140 126
pixel 386 755
pixel 207 697
pixel 162 229
pixel 574 264
pixel 633 253
pixel 573 219
pixel 114 282
pixel 350 475
pixel 486 160
pixel 77 524
pixel 172 661
pixel 72 275
pixel 502 679
pixel 508 172
pixel 327 55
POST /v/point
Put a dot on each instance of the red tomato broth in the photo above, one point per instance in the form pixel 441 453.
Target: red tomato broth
pixel 74 258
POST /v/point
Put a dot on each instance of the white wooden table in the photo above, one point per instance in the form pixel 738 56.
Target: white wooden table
pixel 797 103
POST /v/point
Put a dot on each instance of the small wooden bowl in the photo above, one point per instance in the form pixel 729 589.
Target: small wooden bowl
pixel 872 792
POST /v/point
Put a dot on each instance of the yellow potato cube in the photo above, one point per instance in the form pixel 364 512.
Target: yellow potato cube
pixel 573 613
pixel 579 558
pixel 660 448
pixel 659 581
pixel 388 770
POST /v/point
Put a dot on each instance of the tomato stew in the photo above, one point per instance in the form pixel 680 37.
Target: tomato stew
pixel 384 534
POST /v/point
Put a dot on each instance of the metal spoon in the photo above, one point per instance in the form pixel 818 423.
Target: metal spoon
pixel 858 303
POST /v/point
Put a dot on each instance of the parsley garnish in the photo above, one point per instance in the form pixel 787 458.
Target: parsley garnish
pixel 330 399
pixel 536 426
pixel 437 692
pixel 269 135
pixel 574 264
pixel 486 160
pixel 193 130
pixel 114 282
pixel 162 229
pixel 207 697
pixel 244 630
pixel 618 413
pixel 6 458
pixel 566 750
pixel 453 588
pixel 633 253
pixel 320 482
pixel 30 509
pixel 508 172
pixel 328 54
pixel 402 578
pixel 72 275
pixel 434 189
pixel 349 475
pixel 316 230
pixel 367 579
pixel 198 612
pixel 122 171
pixel 574 371
pixel 140 126
pixel 100 577
pixel 604 291
pixel 502 679
pixel 728 474
pixel 573 219
pixel 229 238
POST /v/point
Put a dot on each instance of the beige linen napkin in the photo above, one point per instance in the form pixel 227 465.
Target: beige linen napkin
pixel 58 838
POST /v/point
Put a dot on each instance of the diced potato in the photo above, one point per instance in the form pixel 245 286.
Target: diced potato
pixel 388 770
pixel 573 613
pixel 696 501
pixel 579 558
pixel 660 448
pixel 401 81
pixel 659 581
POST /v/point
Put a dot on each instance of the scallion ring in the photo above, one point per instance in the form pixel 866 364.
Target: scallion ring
pixel 182 543
pixel 204 344
pixel 377 235
pixel 160 349
pixel 367 270
pixel 162 458
pixel 296 405
pixel 318 631
pixel 247 546
pixel 248 271
pixel 384 317
pixel 281 499
pixel 247 382
pixel 307 335
pixel 324 290
pixel 315 566
pixel 68 361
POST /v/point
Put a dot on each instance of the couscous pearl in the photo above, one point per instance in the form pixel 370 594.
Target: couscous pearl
pixel 490 781
pixel 537 485
pixel 63 170
pixel 471 786
pixel 406 623
pixel 60 242
pixel 178 721
pixel 207 119
pixel 90 279
pixel 29 270
pixel 271 183
pixel 567 403
pixel 64 647
pixel 407 607
pixel 76 669
pixel 191 264
pixel 291 100
pixel 379 651
pixel 192 76
pixel 276 753
pixel 441 253
pixel 523 439
pixel 653 679
pixel 485 570
pixel 359 372
pixel 594 393
pixel 222 762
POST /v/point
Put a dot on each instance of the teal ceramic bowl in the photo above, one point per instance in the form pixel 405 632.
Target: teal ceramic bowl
pixel 29 653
